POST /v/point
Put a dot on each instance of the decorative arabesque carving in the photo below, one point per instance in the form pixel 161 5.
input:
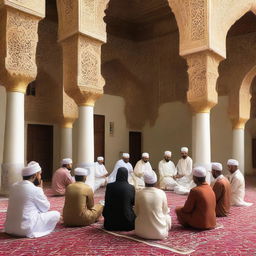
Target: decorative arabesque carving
pixel 203 74
pixel 20 35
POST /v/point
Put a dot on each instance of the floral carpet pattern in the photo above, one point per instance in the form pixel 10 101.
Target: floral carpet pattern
pixel 235 235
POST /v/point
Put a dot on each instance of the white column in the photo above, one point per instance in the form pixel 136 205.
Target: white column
pixel 66 142
pixel 238 147
pixel 203 142
pixel 13 158
pixel 193 137
pixel 85 151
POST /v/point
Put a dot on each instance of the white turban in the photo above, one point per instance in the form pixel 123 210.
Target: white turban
pixel 199 171
pixel 32 162
pixel 150 177
pixel 126 155
pixel 184 149
pixel 168 153
pixel 145 155
pixel 66 161
pixel 31 169
pixel 232 162
pixel 217 166
pixel 81 172
pixel 100 158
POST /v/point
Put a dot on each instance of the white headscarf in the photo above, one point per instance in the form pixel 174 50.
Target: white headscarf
pixel 232 162
pixel 217 166
pixel 168 153
pixel 199 171
pixel 31 169
pixel 150 177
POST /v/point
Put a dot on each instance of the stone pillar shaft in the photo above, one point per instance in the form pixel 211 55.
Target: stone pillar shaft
pixel 238 147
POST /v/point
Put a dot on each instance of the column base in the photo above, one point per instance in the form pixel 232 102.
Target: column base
pixel 11 173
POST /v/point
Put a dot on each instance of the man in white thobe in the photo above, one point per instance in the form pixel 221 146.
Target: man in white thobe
pixel 142 166
pixel 236 179
pixel 152 213
pixel 184 176
pixel 27 213
pixel 101 174
pixel 167 172
pixel 124 162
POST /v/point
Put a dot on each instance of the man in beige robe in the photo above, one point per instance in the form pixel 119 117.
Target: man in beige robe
pixel 79 208
pixel 101 174
pixel 236 179
pixel 142 166
pixel 153 220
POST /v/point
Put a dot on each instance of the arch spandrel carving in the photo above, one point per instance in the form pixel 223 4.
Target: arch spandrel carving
pixel 192 19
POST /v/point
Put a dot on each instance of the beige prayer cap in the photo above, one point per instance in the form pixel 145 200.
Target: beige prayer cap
pixel 145 154
pixel 31 169
pixel 232 162
pixel 217 166
pixel 184 149
pixel 168 153
pixel 126 155
pixel 150 177
pixel 66 161
pixel 199 171
pixel 81 172
pixel 100 158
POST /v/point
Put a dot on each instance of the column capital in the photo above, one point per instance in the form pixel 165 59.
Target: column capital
pixel 66 123
pixel 203 74
pixel 238 123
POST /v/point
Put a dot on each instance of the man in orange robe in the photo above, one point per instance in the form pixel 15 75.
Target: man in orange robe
pixel 222 190
pixel 199 209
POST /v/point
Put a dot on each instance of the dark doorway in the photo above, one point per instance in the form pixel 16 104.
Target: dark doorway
pixel 40 147
pixel 254 153
pixel 99 136
pixel 134 147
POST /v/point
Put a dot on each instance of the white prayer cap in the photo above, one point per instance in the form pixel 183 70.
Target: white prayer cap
pixel 66 161
pixel 168 153
pixel 150 177
pixel 145 155
pixel 31 169
pixel 81 172
pixel 100 158
pixel 32 162
pixel 184 149
pixel 199 171
pixel 217 166
pixel 126 155
pixel 232 162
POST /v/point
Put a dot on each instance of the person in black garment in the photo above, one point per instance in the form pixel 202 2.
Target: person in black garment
pixel 119 201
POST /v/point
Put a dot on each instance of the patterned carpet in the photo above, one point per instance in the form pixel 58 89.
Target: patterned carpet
pixel 236 235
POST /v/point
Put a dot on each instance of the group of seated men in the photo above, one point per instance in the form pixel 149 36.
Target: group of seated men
pixel 145 211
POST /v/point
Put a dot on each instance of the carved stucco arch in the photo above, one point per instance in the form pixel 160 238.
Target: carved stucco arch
pixel 203 24
pixel 239 101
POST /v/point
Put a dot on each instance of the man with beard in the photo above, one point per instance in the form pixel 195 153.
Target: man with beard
pixel 167 172
pixel 62 177
pixel 142 167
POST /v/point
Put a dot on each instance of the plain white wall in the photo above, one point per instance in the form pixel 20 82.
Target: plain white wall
pixel 2 122
pixel 171 131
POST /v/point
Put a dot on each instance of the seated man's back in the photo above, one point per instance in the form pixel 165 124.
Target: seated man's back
pixel 79 208
pixel 151 209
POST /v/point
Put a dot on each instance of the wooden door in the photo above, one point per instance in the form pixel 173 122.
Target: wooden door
pixel 99 136
pixel 40 147
pixel 134 147
pixel 254 152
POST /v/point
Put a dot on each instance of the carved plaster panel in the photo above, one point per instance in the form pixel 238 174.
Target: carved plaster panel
pixel 203 74
pixel 34 7
pixel 19 67
pixel 192 19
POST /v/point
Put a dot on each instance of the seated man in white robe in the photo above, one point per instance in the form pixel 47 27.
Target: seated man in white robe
pixel 124 162
pixel 142 166
pixel 236 179
pixel 184 175
pixel 28 212
pixel 152 213
pixel 101 174
pixel 167 172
